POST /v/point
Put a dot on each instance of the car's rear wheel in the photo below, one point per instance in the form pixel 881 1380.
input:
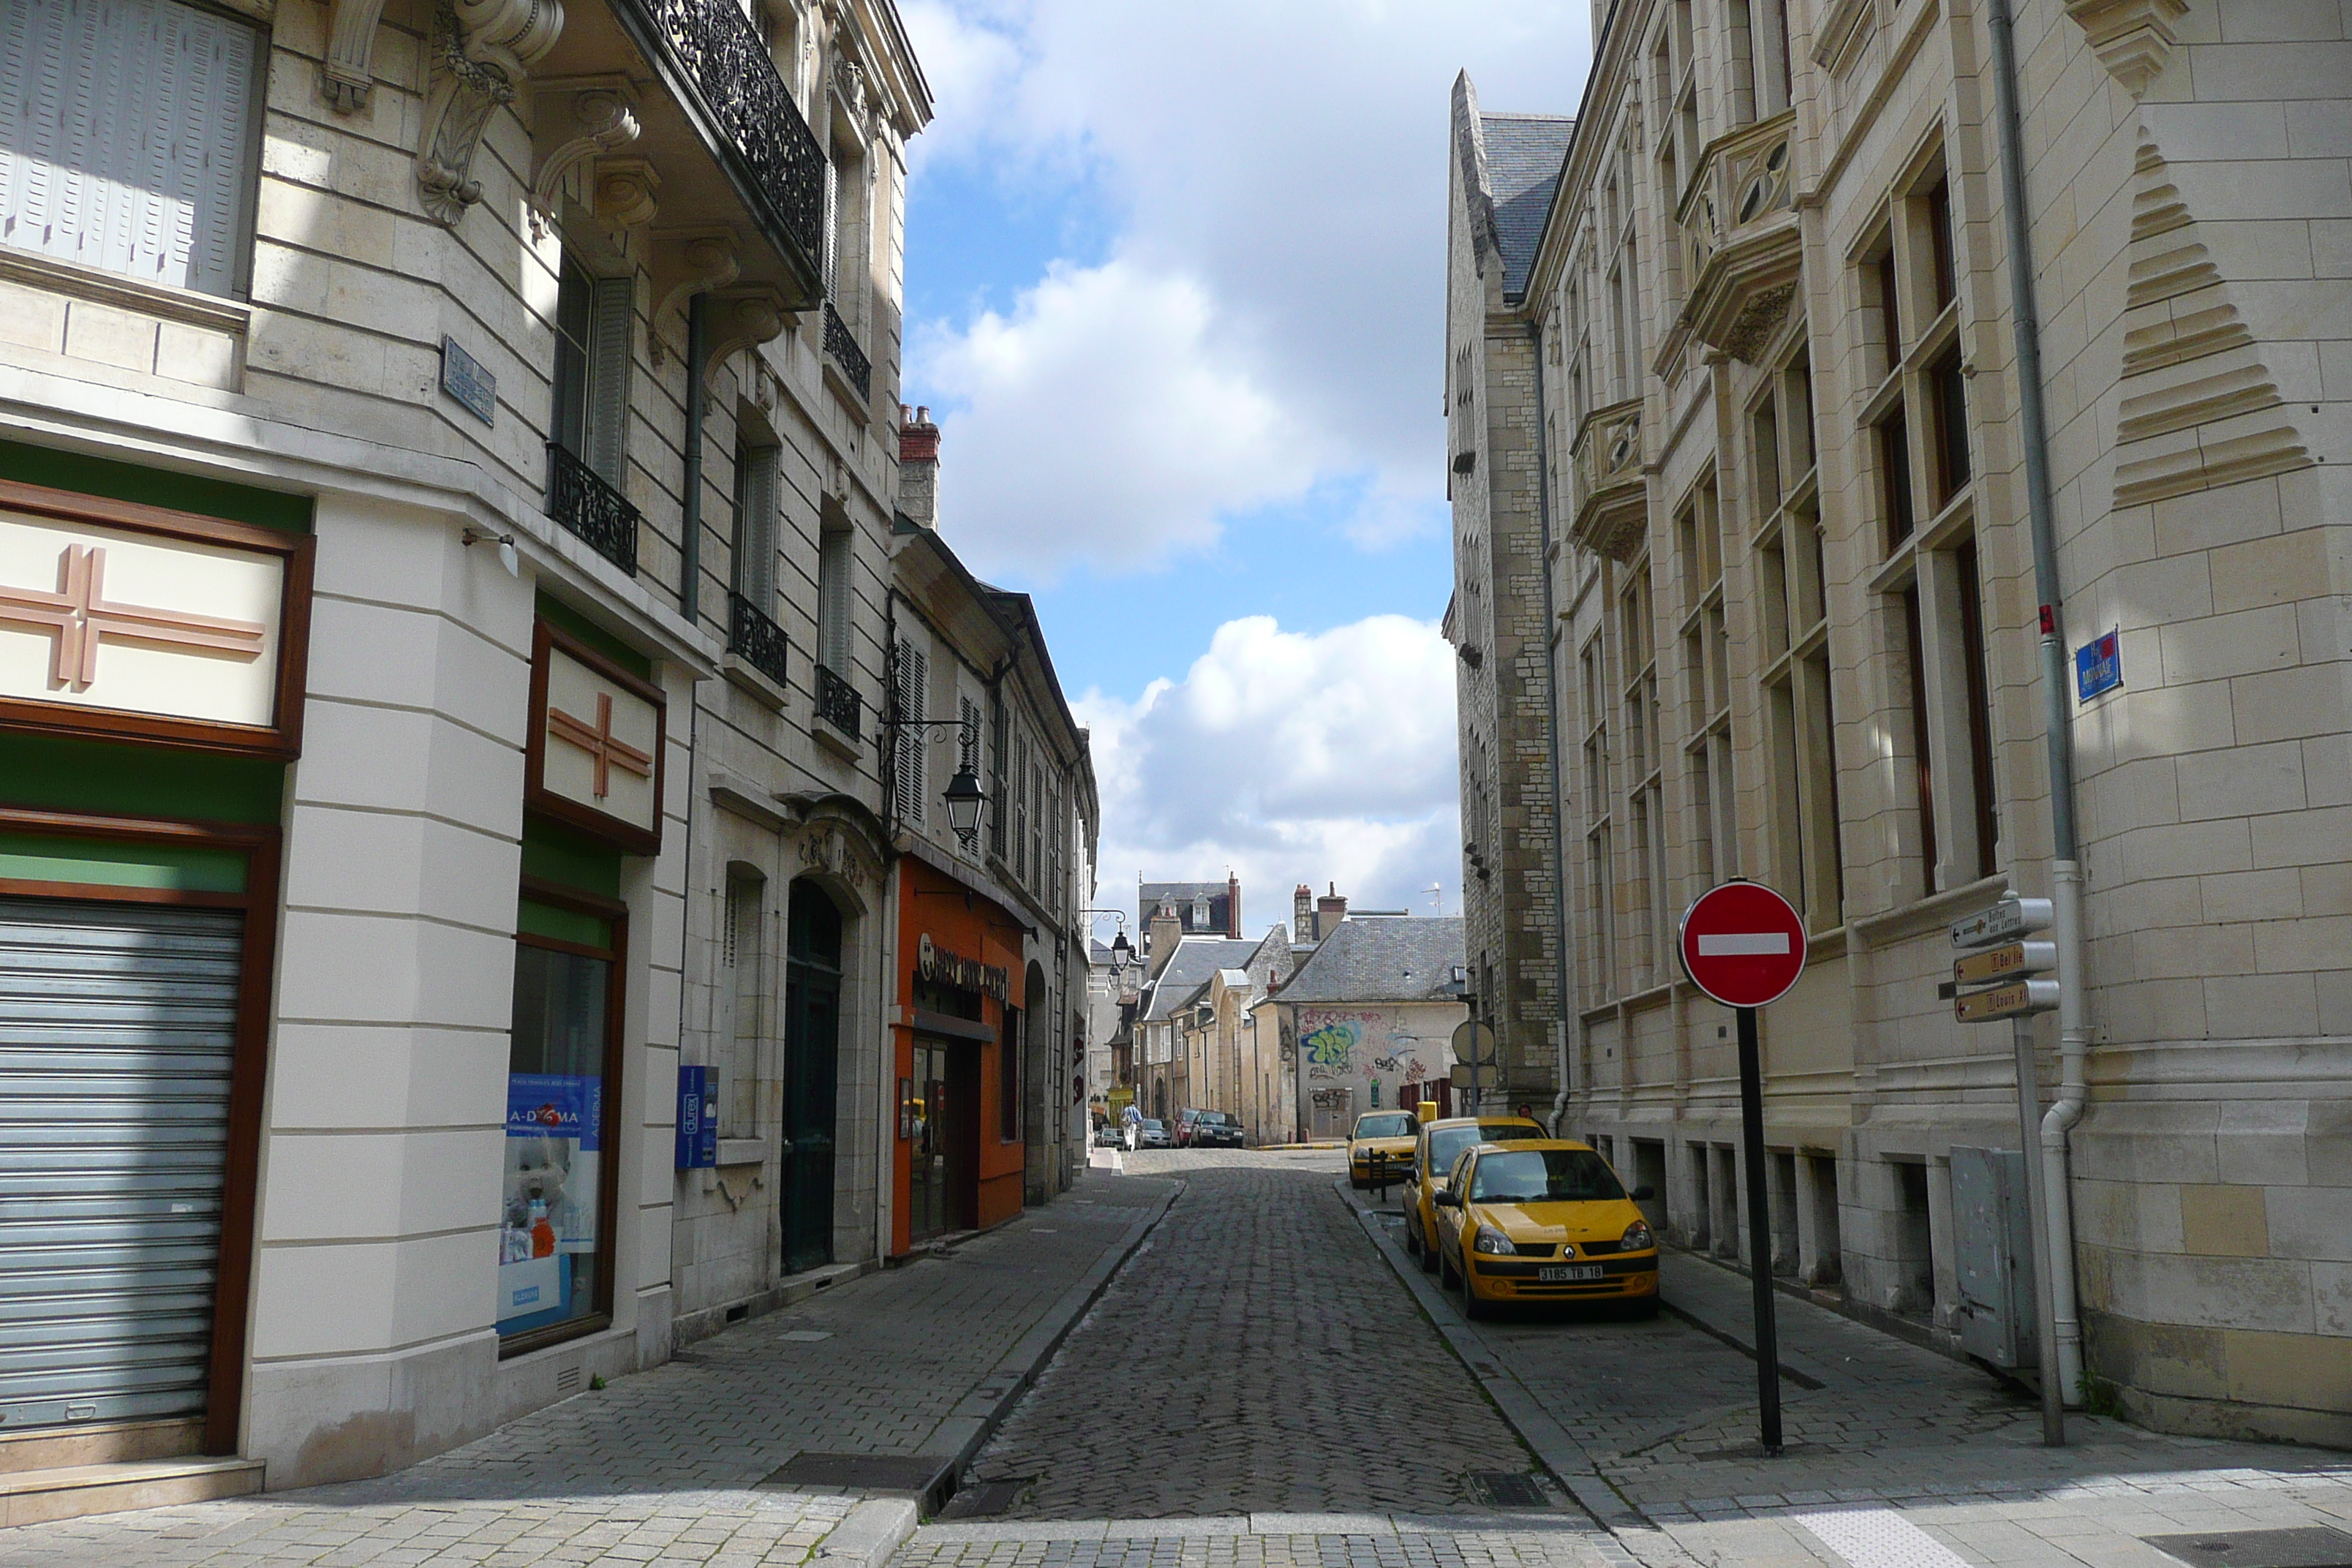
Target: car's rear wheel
pixel 1643 1310
pixel 1412 1239
pixel 1429 1260
pixel 1445 1272
pixel 1472 1307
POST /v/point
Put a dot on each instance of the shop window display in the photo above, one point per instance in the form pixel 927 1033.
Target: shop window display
pixel 554 1258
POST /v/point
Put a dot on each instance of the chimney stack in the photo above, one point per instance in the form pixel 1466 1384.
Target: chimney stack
pixel 1302 915
pixel 918 467
pixel 1232 905
pixel 1329 910
pixel 1166 932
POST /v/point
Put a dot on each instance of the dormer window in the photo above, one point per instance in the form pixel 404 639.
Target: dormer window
pixel 1200 914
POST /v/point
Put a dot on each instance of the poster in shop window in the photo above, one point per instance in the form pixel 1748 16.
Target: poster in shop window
pixel 546 1234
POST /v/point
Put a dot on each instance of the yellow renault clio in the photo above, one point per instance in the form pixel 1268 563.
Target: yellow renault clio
pixel 1543 1222
pixel 1440 1144
pixel 1388 1132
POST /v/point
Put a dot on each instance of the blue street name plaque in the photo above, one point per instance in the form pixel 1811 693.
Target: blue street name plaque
pixel 468 381
pixel 2099 665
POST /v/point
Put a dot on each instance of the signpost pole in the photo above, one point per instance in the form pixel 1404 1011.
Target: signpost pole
pixel 1759 1231
pixel 2046 1306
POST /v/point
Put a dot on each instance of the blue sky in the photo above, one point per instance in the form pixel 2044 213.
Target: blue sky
pixel 1174 291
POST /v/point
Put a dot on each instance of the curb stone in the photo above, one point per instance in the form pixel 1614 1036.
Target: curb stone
pixel 867 1534
pixel 968 1428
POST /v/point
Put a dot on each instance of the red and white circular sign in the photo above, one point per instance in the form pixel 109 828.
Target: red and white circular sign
pixel 1743 944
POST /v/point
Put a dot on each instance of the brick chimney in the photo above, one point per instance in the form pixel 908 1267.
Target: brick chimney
pixel 1329 910
pixel 918 467
pixel 1302 915
pixel 1232 905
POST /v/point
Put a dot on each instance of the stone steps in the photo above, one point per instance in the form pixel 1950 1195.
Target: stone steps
pixel 71 1492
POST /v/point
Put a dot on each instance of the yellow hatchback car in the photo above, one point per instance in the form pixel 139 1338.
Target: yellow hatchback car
pixel 1389 1132
pixel 1543 1222
pixel 1440 1143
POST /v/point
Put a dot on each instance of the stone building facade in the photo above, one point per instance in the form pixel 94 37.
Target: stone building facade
pixel 447 542
pixel 1780 417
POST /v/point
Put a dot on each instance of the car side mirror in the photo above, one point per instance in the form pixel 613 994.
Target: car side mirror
pixel 1644 1194
pixel 1449 1200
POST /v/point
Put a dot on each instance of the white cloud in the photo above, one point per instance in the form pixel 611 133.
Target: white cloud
pixel 1288 758
pixel 1101 422
pixel 1283 165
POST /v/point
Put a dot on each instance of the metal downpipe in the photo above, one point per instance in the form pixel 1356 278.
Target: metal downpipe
pixel 2066 872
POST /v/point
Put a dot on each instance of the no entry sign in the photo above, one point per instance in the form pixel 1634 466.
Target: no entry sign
pixel 1742 944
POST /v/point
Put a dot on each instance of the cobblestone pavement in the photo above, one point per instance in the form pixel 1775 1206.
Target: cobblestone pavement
pixel 660 1466
pixel 1254 1354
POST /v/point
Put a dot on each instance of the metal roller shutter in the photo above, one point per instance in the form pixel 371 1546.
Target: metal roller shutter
pixel 117 1033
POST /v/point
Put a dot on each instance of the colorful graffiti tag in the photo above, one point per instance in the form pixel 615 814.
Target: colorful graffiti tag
pixel 1330 1048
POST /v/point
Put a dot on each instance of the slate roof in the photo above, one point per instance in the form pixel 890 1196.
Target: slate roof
pixel 1524 155
pixel 1197 958
pixel 1383 960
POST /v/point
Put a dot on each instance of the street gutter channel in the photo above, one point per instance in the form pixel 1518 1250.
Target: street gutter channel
pixel 1562 1455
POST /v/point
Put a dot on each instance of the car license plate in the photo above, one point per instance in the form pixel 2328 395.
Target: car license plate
pixel 1571 1274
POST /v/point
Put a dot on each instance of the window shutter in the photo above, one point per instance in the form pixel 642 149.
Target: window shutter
pixel 913 681
pixel 996 798
pixel 126 137
pixel 968 749
pixel 611 319
pixel 755 528
pixel 833 560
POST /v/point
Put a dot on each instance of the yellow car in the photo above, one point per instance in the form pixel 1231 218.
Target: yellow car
pixel 1543 1222
pixel 1440 1144
pixel 1388 1132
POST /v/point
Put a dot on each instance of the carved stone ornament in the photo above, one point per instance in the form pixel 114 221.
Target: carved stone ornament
pixel 828 847
pixel 347 75
pixel 687 262
pixel 744 318
pixel 2133 39
pixel 480 52
pixel 849 83
pixel 605 119
pixel 624 192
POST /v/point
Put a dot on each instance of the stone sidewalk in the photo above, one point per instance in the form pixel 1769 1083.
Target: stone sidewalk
pixel 667 1467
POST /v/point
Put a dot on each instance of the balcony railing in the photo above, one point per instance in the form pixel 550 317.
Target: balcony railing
pixel 843 347
pixel 1611 499
pixel 726 66
pixel 579 498
pixel 754 639
pixel 1740 246
pixel 838 704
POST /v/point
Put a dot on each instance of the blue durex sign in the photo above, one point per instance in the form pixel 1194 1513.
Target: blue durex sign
pixel 2099 665
pixel 698 1119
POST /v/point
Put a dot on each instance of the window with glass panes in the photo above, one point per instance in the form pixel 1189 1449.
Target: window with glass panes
pixel 1645 894
pixel 1706 687
pixel 1792 621
pixel 1932 580
pixel 1600 863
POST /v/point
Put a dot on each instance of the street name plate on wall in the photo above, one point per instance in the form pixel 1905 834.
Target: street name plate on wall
pixel 595 754
pixel 144 624
pixel 2099 667
pixel 469 381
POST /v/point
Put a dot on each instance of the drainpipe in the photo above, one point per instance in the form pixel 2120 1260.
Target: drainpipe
pixel 1571 1027
pixel 689 572
pixel 2066 868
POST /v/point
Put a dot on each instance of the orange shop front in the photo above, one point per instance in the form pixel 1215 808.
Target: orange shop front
pixel 959 1151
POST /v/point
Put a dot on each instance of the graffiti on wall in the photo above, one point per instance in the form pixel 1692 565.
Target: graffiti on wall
pixel 1330 1045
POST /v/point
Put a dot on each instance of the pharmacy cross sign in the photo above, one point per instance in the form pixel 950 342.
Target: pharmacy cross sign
pixel 82 615
pixel 608 750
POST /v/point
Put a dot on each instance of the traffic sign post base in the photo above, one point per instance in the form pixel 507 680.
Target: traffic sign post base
pixel 1759 1231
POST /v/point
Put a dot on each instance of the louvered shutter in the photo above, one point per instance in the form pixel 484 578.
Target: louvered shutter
pixel 996 797
pixel 612 317
pixel 118 1034
pixel 913 681
pixel 755 527
pixel 126 137
pixel 833 561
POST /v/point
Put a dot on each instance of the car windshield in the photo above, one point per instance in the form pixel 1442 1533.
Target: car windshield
pixel 1155 1126
pixel 1397 1126
pixel 1446 1143
pixel 1543 1175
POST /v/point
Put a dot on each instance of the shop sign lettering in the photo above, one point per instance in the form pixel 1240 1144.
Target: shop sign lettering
pixel 938 966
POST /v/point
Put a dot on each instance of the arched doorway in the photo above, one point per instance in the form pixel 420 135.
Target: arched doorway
pixel 812 1074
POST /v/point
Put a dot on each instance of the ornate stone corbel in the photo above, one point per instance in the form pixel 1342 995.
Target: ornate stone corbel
pixel 624 192
pixel 686 262
pixel 480 52
pixel 2133 39
pixel 849 84
pixel 744 318
pixel 347 75
pixel 604 119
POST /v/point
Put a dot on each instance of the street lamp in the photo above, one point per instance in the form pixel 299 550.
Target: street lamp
pixel 964 798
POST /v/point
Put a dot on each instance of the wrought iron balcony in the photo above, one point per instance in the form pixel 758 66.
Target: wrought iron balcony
pixel 843 347
pixel 579 498
pixel 838 704
pixel 1741 252
pixel 1611 499
pixel 755 639
pixel 710 48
